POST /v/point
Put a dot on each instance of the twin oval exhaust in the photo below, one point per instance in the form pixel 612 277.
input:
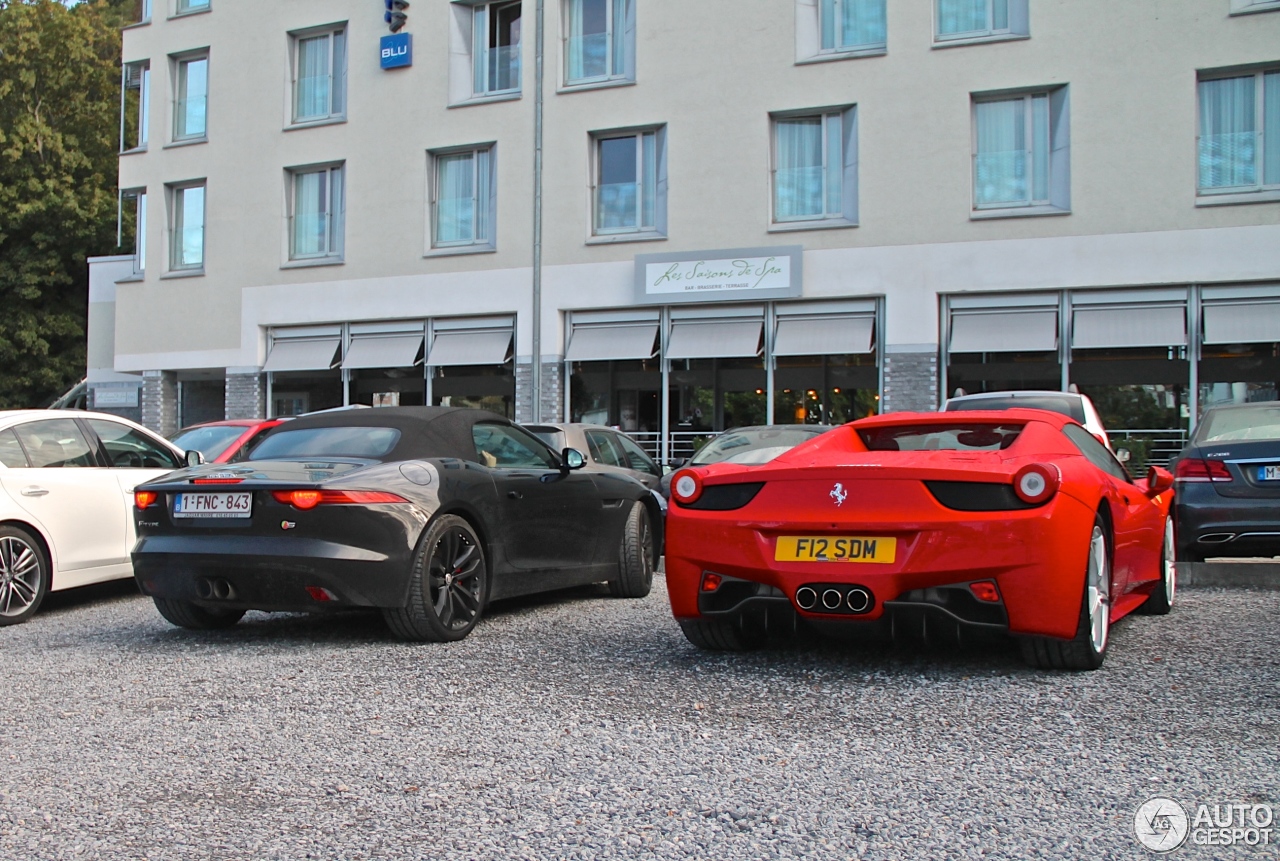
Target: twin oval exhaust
pixel 214 589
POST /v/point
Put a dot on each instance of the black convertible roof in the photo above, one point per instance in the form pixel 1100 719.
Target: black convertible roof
pixel 424 431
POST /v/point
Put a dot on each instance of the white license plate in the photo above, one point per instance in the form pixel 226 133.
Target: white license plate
pixel 213 505
pixel 1269 473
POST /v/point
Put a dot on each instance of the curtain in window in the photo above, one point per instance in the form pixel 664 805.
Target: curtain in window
pixel 310 201
pixel 588 28
pixel 965 16
pixel 617 43
pixel 190 227
pixel 798 179
pixel 852 23
pixel 455 199
pixel 1271 128
pixel 337 205
pixel 1000 163
pixel 140 234
pixel 618 189
pixel 1228 133
pixel 649 179
pixel 193 91
pixel 313 77
pixel 1040 148
pixel 338 87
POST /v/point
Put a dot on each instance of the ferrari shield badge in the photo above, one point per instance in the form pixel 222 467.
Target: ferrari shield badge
pixel 839 494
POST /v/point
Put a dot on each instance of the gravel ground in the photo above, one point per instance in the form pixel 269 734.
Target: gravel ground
pixel 576 726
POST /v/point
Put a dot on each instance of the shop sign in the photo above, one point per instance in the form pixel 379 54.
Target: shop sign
pixel 729 274
pixel 396 50
pixel 123 397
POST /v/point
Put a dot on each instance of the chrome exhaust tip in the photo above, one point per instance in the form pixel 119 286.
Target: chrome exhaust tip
pixel 858 600
pixel 204 588
pixel 1216 538
pixel 832 599
pixel 222 589
pixel 806 598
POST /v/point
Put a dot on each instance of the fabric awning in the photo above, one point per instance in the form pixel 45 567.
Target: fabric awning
pixel 621 341
pixel 827 336
pixel 1242 323
pixel 1005 332
pixel 1131 326
pixel 303 355
pixel 714 339
pixel 398 351
pixel 470 347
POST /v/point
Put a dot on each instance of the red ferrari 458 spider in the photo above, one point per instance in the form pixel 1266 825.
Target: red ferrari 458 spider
pixel 929 525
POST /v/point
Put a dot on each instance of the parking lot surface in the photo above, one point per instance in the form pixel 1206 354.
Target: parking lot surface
pixel 579 726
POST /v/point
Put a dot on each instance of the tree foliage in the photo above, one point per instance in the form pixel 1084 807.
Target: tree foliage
pixel 59 129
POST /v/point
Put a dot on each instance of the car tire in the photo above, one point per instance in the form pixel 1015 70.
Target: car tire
pixel 1160 601
pixel 186 614
pixel 448 587
pixel 1088 649
pixel 636 556
pixel 720 635
pixel 24 575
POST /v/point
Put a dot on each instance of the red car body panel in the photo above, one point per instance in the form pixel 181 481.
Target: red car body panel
pixel 253 428
pixel 1037 556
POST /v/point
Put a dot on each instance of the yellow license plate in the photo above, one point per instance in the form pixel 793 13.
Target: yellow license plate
pixel 842 548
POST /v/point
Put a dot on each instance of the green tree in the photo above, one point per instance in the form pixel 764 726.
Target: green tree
pixel 59 131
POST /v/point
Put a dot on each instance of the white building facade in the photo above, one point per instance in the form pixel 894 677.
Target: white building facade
pixel 718 213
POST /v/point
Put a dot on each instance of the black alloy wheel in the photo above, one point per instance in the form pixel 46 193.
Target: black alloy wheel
pixel 448 587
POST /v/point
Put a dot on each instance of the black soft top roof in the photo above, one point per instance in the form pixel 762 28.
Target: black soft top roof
pixel 424 431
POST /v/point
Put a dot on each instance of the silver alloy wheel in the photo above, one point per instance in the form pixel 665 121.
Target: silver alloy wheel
pixel 1167 560
pixel 1098 590
pixel 19 576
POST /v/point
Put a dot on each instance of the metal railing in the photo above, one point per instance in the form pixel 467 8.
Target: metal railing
pixel 1148 446
pixel 683 444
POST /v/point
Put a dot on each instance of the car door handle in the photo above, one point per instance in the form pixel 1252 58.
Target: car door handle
pixel 34 491
pixel 514 494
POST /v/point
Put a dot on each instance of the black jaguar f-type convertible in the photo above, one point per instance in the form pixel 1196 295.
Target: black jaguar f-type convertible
pixel 426 513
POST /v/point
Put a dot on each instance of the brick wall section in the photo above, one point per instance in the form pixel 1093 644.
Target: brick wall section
pixel 160 401
pixel 246 396
pixel 910 382
pixel 552 391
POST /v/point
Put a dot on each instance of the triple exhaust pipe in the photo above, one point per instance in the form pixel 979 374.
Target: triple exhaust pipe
pixel 834 599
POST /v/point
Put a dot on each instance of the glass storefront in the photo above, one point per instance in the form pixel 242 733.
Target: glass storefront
pixel 827 390
pixel 622 394
pixel 481 387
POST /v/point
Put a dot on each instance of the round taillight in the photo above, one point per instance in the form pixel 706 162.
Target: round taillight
pixel 304 499
pixel 686 487
pixel 144 498
pixel 1036 483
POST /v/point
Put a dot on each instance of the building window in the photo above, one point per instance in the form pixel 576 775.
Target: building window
pixel 630 182
pixel 144 11
pixel 852 25
pixel 191 96
pixel 135 111
pixel 185 6
pixel 320 75
pixel 968 20
pixel 1239 145
pixel 495 53
pixel 132 225
pixel 317 203
pixel 463 204
pixel 815 168
pixel 1020 153
pixel 600 38
pixel 186 227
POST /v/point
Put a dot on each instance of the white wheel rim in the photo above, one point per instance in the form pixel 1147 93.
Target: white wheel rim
pixel 1098 591
pixel 1170 569
pixel 19 576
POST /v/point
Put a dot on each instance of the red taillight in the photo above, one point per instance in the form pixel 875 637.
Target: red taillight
pixel 319 593
pixel 711 582
pixel 686 486
pixel 308 499
pixel 985 591
pixel 1196 469
pixel 144 498
pixel 1036 483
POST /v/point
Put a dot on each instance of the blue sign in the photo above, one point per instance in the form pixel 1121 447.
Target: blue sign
pixel 397 50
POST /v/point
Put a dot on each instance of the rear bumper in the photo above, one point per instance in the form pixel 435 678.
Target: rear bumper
pixel 1209 524
pixel 265 573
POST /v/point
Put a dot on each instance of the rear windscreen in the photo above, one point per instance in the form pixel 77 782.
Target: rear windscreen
pixel 326 442
pixel 939 437
pixel 1246 423
pixel 1066 406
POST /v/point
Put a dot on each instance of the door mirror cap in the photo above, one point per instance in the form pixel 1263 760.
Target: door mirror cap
pixel 1123 455
pixel 571 458
pixel 193 457
pixel 1158 480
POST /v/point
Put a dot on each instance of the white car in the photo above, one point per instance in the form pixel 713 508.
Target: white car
pixel 1072 404
pixel 66 500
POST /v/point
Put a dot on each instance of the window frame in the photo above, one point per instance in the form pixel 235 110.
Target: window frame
pixel 175 194
pixel 334 215
pixel 810 33
pixel 477 244
pixel 144 105
pixel 549 459
pixel 338 56
pixel 641 232
pixel 481 49
pixel 847 117
pixel 614 76
pixel 192 7
pixel 1017 25
pixel 1261 191
pixel 138 195
pixel 1057 153
pixel 179 63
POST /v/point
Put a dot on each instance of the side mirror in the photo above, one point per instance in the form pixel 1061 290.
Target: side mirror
pixel 193 457
pixel 571 458
pixel 1158 480
pixel 1123 455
